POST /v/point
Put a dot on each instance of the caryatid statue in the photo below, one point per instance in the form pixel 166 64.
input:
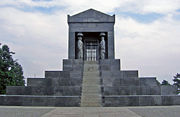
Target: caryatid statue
pixel 80 46
pixel 103 45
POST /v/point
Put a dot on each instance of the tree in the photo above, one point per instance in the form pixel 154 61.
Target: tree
pixel 11 73
pixel 177 81
pixel 165 82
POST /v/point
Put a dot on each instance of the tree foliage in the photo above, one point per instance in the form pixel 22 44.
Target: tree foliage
pixel 165 82
pixel 177 81
pixel 11 73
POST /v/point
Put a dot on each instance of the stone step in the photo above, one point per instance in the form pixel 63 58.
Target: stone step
pixel 90 62
pixel 91 100
pixel 91 74
pixel 91 92
pixel 91 89
pixel 90 65
pixel 90 79
pixel 90 96
pixel 91 69
pixel 95 96
pixel 90 104
pixel 98 100
pixel 92 82
pixel 89 85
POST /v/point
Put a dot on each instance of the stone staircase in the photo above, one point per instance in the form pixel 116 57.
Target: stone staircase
pixel 91 88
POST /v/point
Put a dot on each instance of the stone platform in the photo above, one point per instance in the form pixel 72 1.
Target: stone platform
pixel 75 101
pixel 158 111
pixel 40 100
pixel 83 83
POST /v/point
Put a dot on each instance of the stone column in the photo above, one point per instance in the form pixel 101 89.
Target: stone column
pixel 80 46
pixel 102 46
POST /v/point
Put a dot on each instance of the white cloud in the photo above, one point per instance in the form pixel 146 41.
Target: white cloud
pixel 138 6
pixel 31 3
pixel 153 48
pixel 161 6
pixel 39 40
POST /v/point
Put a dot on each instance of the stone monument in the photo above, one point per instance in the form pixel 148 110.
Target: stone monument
pixel 91 75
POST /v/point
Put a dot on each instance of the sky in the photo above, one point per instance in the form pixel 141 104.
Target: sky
pixel 147 33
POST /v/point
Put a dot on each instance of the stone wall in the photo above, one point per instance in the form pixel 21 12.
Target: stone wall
pixel 30 100
pixel 58 88
pixel 140 100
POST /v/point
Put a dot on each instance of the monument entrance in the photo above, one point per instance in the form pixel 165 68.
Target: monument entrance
pixel 91 46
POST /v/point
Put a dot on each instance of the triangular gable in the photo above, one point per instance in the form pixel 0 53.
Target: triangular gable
pixel 91 15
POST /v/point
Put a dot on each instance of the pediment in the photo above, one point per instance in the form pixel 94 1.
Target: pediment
pixel 91 15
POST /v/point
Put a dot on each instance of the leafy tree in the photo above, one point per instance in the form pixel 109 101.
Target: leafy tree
pixel 165 82
pixel 177 81
pixel 11 73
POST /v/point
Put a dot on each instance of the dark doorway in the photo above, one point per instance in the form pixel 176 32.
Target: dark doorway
pixel 91 46
pixel 91 51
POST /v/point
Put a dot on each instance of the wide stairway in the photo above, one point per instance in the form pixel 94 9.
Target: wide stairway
pixel 91 88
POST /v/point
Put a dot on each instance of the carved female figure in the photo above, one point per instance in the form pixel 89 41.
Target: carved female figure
pixel 80 46
pixel 103 46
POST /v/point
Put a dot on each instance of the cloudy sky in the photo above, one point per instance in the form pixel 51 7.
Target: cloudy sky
pixel 147 33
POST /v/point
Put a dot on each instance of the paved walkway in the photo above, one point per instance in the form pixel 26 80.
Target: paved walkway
pixel 154 111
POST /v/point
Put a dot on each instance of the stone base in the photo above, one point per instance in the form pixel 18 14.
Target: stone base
pixel 30 100
pixel 50 91
pixel 74 101
pixel 140 100
pixel 64 88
